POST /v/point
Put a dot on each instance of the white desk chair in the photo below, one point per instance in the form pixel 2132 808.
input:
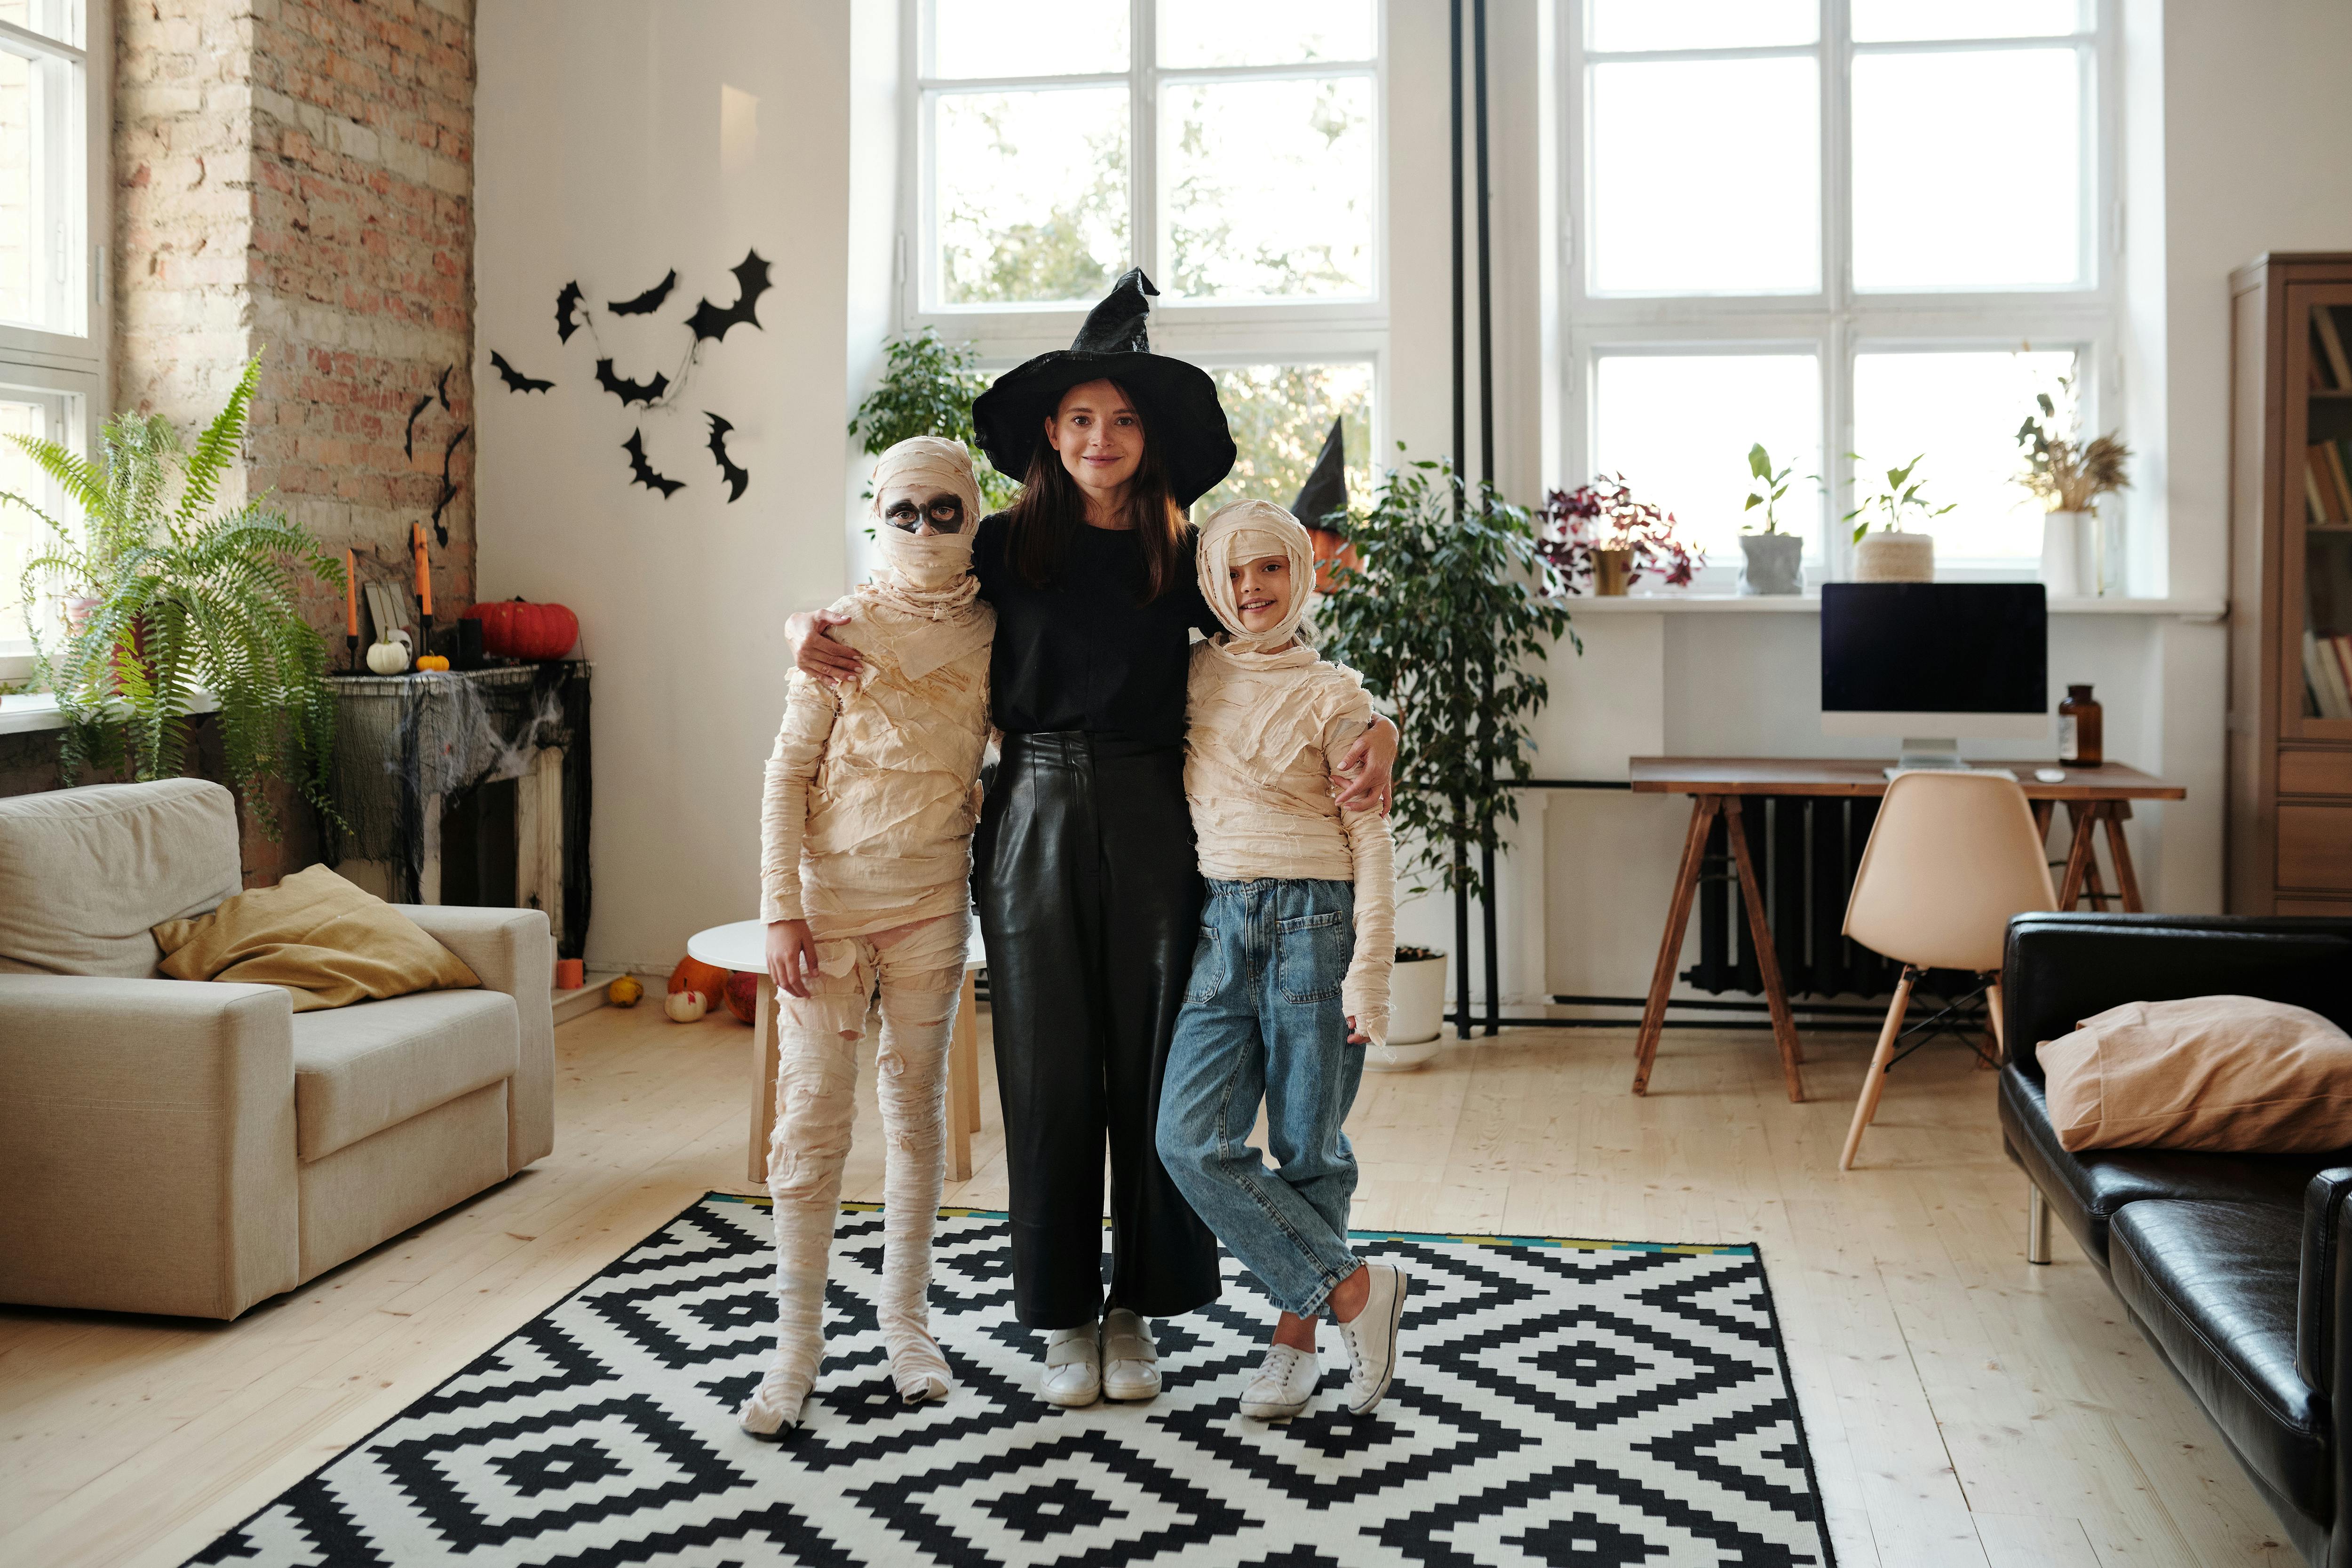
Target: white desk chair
pixel 1950 858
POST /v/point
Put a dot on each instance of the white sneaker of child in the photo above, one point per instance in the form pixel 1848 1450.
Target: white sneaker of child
pixel 774 1406
pixel 1129 1358
pixel 1282 1384
pixel 1371 1337
pixel 1073 1367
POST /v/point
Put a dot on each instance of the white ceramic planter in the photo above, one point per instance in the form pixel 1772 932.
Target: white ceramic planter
pixel 1773 564
pixel 1416 1016
pixel 2065 545
pixel 1894 558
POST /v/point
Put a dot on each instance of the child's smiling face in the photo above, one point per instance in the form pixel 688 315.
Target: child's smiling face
pixel 1262 591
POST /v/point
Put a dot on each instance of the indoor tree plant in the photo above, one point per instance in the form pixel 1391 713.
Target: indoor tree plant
pixel 927 389
pixel 170 594
pixel 1597 538
pixel 1894 552
pixel 2068 475
pixel 1440 613
pixel 1773 562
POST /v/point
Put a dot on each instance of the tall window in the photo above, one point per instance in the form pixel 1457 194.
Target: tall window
pixel 1855 231
pixel 53 120
pixel 1232 149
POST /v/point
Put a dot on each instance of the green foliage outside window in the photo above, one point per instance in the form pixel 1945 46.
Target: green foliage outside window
pixel 927 390
pixel 1279 414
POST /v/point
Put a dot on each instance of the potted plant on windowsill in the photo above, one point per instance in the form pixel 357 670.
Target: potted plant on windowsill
pixel 1445 622
pixel 1773 561
pixel 1598 539
pixel 1894 552
pixel 169 595
pixel 2068 475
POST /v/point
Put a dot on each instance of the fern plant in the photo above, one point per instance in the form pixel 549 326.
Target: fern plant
pixel 180 595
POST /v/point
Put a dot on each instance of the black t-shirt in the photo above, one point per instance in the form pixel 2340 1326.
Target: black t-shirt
pixel 1082 652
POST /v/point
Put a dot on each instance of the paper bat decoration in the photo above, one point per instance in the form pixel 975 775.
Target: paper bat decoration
pixel 566 321
pixel 737 479
pixel 630 392
pixel 408 446
pixel 710 321
pixel 441 390
pixel 642 472
pixel 448 486
pixel 515 382
pixel 647 303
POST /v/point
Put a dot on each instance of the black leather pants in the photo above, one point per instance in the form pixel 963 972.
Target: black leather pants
pixel 1090 902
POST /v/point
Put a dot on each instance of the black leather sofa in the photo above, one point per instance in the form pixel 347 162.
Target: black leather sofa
pixel 2234 1266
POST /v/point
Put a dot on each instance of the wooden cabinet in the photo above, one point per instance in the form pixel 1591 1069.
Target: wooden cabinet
pixel 2290 734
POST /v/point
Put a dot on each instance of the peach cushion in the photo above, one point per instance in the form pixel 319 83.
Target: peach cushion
pixel 2218 1073
pixel 327 942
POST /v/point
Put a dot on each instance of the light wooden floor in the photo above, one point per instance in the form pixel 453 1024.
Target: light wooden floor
pixel 1964 1408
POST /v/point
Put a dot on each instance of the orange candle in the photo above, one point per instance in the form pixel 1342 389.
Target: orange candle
pixel 350 592
pixel 423 573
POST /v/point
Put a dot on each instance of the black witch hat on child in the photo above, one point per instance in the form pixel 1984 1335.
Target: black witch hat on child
pixel 1323 500
pixel 1182 415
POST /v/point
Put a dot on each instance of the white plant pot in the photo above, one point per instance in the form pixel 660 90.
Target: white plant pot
pixel 1773 564
pixel 2065 540
pixel 1894 558
pixel 1416 1016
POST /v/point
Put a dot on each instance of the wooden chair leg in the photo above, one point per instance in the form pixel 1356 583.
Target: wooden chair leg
pixel 1873 1086
pixel 1993 1011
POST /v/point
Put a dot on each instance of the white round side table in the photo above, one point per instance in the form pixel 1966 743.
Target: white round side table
pixel 742 946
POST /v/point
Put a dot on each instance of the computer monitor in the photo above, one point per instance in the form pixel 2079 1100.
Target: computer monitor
pixel 1929 663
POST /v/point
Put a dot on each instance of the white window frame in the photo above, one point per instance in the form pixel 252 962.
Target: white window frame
pixel 70 369
pixel 1215 334
pixel 1837 321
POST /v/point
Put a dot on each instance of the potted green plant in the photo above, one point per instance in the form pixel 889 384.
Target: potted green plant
pixel 926 388
pixel 2068 475
pixel 170 595
pixel 1445 622
pixel 1895 553
pixel 1773 561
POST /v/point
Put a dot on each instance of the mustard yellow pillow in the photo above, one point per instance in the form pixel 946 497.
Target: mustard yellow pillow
pixel 329 943
pixel 2235 1074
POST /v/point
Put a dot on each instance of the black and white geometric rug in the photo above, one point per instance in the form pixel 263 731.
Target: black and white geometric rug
pixel 1560 1402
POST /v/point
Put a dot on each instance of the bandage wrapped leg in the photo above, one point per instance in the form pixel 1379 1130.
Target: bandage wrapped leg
pixel 910 1080
pixel 816 1094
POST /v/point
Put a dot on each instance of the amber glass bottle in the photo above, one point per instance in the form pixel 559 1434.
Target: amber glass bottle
pixel 2080 723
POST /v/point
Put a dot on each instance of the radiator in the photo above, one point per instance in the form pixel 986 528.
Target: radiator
pixel 1805 849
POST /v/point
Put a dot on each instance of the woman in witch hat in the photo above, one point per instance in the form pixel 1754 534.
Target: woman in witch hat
pixel 1089 893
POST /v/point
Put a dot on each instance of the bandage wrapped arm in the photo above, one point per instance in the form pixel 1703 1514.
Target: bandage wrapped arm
pixel 1364 994
pixel 810 709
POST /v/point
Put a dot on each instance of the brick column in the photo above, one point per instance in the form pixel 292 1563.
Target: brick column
pixel 294 178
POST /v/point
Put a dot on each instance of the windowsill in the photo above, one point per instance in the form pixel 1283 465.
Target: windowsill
pixel 34 711
pixel 2189 609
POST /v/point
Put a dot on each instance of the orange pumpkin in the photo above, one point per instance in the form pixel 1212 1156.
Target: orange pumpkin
pixel 743 997
pixel 512 628
pixel 693 974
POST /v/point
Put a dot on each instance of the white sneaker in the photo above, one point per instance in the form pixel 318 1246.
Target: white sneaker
pixel 1073 1368
pixel 1282 1384
pixel 774 1407
pixel 1130 1369
pixel 1370 1337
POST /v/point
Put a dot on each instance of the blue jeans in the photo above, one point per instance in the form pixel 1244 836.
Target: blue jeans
pixel 1263 1021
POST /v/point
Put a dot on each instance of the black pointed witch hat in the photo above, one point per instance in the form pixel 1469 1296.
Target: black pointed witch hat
pixel 1323 500
pixel 1178 401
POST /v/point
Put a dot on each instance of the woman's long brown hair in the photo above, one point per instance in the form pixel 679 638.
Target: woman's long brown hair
pixel 1051 508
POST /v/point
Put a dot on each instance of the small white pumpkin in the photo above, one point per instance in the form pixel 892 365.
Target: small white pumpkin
pixel 389 655
pixel 686 1007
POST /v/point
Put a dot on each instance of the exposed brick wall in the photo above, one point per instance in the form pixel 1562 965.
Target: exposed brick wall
pixel 295 177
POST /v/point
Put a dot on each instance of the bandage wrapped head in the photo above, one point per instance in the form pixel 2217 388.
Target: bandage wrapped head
pixel 1249 530
pixel 925 468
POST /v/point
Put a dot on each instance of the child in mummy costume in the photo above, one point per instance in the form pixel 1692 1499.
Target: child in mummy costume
pixel 866 868
pixel 1290 981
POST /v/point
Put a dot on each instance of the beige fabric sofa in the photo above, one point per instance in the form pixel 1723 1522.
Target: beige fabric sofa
pixel 192 1148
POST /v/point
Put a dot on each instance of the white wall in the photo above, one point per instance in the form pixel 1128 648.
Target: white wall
pixel 599 158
